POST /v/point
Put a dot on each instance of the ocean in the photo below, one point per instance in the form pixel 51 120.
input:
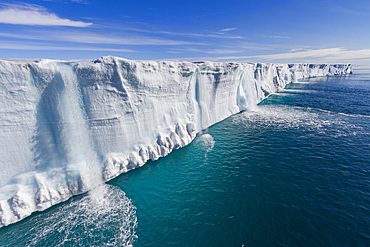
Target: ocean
pixel 293 171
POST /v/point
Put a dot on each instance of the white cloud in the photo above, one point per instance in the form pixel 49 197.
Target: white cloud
pixel 276 37
pixel 201 35
pixel 28 14
pixel 222 51
pixel 91 38
pixel 303 54
pixel 325 55
pixel 207 51
pixel 330 55
pixel 228 29
pixel 279 37
pixel 256 46
pixel 362 12
pixel 38 47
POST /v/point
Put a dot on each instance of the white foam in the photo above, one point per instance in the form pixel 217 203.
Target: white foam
pixel 104 214
pixel 207 142
pixel 294 117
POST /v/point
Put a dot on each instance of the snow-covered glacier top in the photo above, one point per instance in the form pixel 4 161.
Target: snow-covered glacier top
pixel 67 126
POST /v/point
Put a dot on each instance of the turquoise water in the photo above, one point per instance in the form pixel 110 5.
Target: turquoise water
pixel 293 172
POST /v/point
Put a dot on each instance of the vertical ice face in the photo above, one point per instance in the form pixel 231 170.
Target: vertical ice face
pixel 17 120
pixel 68 126
pixel 49 120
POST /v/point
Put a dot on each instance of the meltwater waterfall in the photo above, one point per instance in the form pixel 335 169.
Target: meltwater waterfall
pixel 72 133
pixel 62 138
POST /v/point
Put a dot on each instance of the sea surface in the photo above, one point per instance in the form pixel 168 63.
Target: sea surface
pixel 293 171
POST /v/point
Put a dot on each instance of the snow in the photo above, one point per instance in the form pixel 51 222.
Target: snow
pixel 66 127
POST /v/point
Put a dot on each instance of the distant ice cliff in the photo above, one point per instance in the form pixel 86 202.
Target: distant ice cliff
pixel 66 127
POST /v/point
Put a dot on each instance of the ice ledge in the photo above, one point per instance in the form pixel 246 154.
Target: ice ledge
pixel 134 111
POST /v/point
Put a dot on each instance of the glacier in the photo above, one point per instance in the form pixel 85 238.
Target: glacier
pixel 68 126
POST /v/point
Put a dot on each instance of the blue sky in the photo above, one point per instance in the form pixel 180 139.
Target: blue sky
pixel 256 30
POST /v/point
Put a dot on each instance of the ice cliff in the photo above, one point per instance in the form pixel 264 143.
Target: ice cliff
pixel 67 126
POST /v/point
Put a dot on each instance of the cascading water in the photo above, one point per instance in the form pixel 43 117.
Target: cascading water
pixel 247 93
pixel 79 151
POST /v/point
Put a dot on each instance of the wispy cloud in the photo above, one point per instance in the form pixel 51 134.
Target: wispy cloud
pixel 89 38
pixel 204 35
pixel 66 1
pixel 29 14
pixel 303 54
pixel 276 37
pixel 38 47
pixel 350 11
pixel 296 49
pixel 322 55
pixel 183 34
pixel 256 46
pixel 331 55
pixel 228 29
pixel 92 38
pixel 239 47
pixel 78 1
pixel 205 51
pixel 222 51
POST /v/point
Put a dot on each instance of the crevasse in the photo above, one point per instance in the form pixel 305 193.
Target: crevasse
pixel 66 127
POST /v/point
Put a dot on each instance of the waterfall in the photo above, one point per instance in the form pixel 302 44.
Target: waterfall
pixel 79 152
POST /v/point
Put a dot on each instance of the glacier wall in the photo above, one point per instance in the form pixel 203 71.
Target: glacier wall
pixel 66 127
